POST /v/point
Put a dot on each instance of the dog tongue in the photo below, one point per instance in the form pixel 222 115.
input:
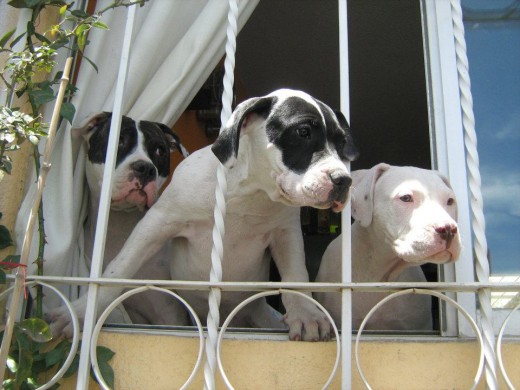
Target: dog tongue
pixel 337 206
pixel 151 194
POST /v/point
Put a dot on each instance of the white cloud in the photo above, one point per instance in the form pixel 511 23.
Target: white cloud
pixel 511 129
pixel 501 192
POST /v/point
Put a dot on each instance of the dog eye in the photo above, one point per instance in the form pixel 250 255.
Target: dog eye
pixel 406 198
pixel 304 132
pixel 159 152
pixel 450 201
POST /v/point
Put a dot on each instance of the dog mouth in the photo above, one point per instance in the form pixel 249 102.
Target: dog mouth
pixel 421 256
pixel 336 205
pixel 137 196
pixel 443 257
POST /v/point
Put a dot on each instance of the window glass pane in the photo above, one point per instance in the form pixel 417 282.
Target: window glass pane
pixel 493 45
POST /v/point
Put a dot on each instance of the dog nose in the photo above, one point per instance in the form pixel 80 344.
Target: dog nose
pixel 447 232
pixel 340 179
pixel 143 170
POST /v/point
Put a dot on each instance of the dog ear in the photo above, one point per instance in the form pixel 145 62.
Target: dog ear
pixel 349 150
pixel 444 179
pixel 173 139
pixel 363 184
pixel 94 122
pixel 225 147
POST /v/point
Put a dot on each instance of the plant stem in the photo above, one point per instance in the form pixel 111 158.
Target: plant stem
pixel 120 3
pixel 42 241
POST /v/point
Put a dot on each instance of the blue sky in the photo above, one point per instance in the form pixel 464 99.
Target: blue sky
pixel 494 60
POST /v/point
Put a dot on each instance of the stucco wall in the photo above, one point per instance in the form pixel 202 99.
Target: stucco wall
pixel 164 362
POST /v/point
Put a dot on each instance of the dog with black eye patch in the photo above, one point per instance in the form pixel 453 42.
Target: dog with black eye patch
pixel 281 151
pixel 142 166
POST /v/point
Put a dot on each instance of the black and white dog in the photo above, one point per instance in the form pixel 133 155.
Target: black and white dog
pixel 142 166
pixel 281 151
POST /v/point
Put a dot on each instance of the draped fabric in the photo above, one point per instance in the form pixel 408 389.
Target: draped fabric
pixel 176 44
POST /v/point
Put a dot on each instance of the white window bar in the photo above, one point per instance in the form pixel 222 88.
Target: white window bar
pixel 104 206
pixel 346 264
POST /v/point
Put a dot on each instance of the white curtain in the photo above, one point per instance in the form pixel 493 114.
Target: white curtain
pixel 175 47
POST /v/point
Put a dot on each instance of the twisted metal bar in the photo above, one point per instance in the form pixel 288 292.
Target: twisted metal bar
pixel 477 214
pixel 217 251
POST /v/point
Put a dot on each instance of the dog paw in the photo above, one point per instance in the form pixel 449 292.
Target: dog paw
pixel 60 319
pixel 307 323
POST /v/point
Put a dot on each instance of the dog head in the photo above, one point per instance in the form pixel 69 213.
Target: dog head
pixel 142 163
pixel 412 209
pixel 299 148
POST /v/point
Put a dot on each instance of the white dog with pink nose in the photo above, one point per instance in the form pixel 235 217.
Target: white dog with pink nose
pixel 404 217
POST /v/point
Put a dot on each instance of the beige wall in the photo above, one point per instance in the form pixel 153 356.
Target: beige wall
pixel 12 186
pixel 164 362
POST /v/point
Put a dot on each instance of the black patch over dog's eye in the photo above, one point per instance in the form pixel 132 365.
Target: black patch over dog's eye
pixel 159 152
pixel 406 198
pixel 450 202
pixel 304 132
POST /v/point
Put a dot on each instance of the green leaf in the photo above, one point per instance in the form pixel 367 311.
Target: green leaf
pixel 42 38
pixel 13 259
pixel 38 366
pixel 41 96
pixel 57 354
pixel 82 40
pixel 91 63
pixel 104 354
pixel 6 166
pixel 17 3
pixel 30 384
pixel 11 364
pixel 59 43
pixel 6 37
pixel 3 278
pixel 37 329
pixel 100 25
pixel 16 40
pixel 25 359
pixel 73 368
pixel 58 75
pixel 79 14
pixel 8 384
pixel 33 3
pixel 67 111
pixel 5 237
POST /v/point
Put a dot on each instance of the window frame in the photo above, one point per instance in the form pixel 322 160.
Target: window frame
pixel 447 145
